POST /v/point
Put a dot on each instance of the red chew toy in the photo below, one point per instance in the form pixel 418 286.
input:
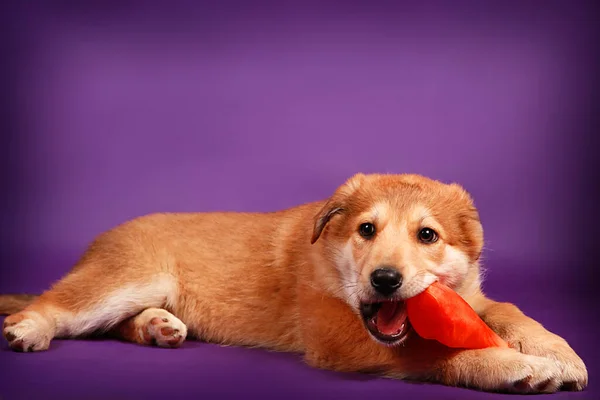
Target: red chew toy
pixel 439 313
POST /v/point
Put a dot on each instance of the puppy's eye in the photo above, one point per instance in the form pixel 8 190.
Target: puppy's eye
pixel 428 235
pixel 366 230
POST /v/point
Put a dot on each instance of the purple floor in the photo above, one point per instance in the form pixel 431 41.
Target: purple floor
pixel 97 369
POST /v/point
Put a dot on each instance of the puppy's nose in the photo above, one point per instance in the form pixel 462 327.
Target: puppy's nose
pixel 386 280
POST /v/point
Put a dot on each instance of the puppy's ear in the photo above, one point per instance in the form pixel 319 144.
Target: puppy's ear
pixel 335 205
pixel 323 216
pixel 469 222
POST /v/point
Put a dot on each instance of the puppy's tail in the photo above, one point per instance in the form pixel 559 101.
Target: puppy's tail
pixel 13 303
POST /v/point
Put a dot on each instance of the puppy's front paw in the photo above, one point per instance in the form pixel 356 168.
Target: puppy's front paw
pixel 506 370
pixel 545 344
pixel 532 374
pixel 26 332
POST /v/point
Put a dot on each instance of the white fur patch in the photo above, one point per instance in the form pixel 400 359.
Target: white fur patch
pixel 122 303
pixel 348 270
pixel 417 285
pixel 454 267
pixel 379 211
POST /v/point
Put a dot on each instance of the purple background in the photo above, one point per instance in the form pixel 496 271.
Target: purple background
pixel 116 109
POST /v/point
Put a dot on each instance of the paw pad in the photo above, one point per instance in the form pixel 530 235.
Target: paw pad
pixel 163 332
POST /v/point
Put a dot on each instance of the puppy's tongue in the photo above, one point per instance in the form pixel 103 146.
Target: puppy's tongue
pixel 390 317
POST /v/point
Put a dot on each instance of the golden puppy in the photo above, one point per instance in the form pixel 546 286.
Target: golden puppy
pixel 327 279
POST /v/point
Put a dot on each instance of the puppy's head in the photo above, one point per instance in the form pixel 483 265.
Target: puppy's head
pixel 388 237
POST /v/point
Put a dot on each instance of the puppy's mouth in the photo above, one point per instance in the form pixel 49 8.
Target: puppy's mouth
pixel 387 321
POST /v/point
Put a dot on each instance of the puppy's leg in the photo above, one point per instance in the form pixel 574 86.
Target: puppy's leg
pixel 495 369
pixel 530 337
pixel 84 302
pixel 153 326
pixel 492 369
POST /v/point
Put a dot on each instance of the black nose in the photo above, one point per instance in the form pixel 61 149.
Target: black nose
pixel 386 280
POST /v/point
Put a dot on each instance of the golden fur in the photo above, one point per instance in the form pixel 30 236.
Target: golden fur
pixel 292 281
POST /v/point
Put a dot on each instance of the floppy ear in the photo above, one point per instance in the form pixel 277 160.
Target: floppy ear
pixel 322 218
pixel 335 204
pixel 470 223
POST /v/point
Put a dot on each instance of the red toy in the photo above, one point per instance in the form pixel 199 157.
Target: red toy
pixel 439 313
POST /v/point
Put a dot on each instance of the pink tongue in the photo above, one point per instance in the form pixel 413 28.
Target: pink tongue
pixel 390 318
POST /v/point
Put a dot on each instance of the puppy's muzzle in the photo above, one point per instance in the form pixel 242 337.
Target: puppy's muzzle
pixel 384 315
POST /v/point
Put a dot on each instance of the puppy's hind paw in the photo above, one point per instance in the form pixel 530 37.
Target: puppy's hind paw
pixel 27 332
pixel 161 328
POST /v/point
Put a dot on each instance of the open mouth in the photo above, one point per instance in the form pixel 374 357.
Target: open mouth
pixel 387 321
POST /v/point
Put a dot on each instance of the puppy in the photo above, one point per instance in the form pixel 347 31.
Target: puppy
pixel 327 279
